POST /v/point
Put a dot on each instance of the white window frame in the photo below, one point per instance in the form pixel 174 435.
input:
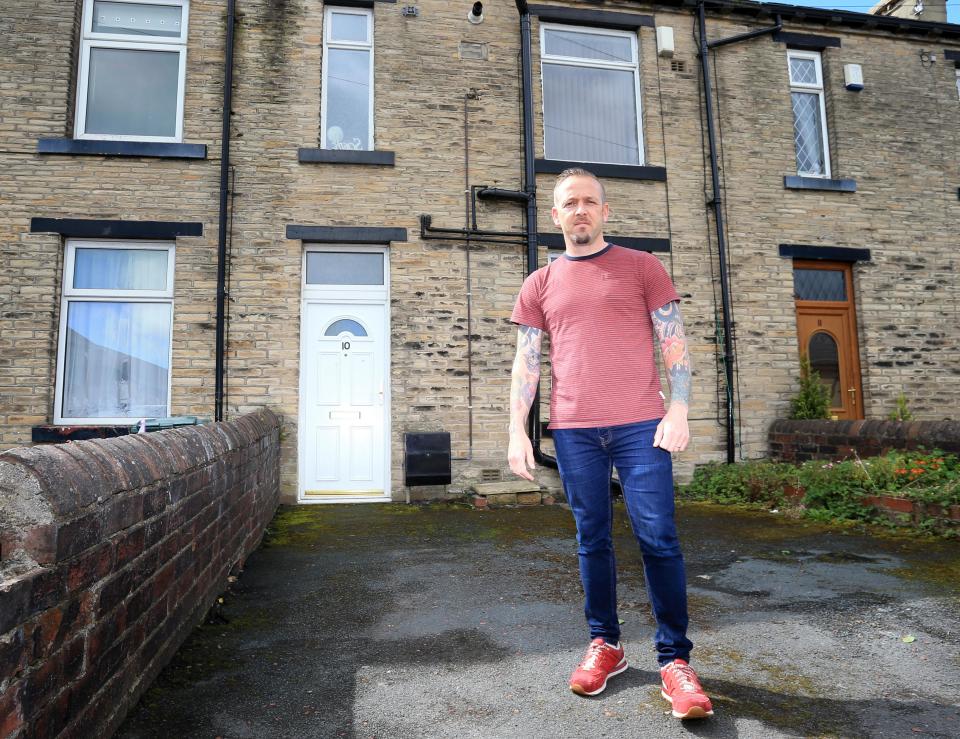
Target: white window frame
pixel 546 59
pixel 808 88
pixel 90 40
pixel 957 70
pixel 71 294
pixel 328 43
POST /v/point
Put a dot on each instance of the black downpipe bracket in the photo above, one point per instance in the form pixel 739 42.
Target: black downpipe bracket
pixel 717 202
pixel 530 190
pixel 224 192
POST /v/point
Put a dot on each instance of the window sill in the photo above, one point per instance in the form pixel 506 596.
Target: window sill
pixel 621 171
pixel 346 156
pixel 52 433
pixel 97 147
pixel 798 182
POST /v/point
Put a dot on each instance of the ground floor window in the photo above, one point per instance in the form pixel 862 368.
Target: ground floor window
pixel 116 317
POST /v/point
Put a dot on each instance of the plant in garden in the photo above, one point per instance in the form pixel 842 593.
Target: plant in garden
pixel 902 411
pixel 813 399
pixel 836 490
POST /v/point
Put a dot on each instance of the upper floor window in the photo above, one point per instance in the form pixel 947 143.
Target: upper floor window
pixel 809 113
pixel 591 95
pixel 132 66
pixel 116 315
pixel 346 115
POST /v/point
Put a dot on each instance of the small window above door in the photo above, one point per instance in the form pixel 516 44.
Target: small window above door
pixel 344 268
pixel 819 284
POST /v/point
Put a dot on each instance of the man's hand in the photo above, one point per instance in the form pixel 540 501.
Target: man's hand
pixel 673 433
pixel 520 455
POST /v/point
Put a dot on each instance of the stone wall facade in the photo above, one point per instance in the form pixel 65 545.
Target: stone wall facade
pixel 111 551
pixel 452 118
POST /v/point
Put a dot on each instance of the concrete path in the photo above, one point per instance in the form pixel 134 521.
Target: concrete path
pixel 441 621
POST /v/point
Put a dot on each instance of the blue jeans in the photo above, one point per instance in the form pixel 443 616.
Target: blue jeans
pixel 586 458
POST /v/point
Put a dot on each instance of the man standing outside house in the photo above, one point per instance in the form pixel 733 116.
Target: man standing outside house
pixel 601 305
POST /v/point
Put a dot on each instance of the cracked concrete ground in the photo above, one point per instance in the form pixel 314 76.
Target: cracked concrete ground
pixel 441 621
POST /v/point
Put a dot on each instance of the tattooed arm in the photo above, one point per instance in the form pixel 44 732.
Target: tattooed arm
pixel 673 433
pixel 526 377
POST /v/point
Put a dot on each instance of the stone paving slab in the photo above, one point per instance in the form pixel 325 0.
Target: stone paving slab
pixel 444 621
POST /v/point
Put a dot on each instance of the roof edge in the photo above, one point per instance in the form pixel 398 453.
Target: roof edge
pixel 859 21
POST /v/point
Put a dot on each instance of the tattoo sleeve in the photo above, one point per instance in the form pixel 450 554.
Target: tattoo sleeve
pixel 526 376
pixel 668 324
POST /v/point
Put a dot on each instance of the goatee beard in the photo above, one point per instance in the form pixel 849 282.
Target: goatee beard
pixel 580 239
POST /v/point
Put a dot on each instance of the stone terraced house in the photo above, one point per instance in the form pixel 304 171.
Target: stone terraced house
pixel 327 208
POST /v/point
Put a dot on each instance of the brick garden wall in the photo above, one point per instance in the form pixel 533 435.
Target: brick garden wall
pixel 112 551
pixel 799 441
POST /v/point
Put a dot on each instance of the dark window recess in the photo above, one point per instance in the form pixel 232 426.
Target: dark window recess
pixel 950 55
pixel 93 147
pixel 95 228
pixel 346 156
pixel 831 253
pixel 819 284
pixel 621 171
pixel 798 182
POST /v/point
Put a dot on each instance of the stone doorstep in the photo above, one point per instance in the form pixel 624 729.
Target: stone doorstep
pixel 513 493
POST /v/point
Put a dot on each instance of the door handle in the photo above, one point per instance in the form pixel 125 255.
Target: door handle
pixel 853 395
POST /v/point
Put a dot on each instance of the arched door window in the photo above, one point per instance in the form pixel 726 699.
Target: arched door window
pixel 345 325
pixel 825 360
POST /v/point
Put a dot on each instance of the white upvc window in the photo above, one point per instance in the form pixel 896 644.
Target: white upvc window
pixel 346 102
pixel 133 59
pixel 116 318
pixel 809 113
pixel 957 70
pixel 591 95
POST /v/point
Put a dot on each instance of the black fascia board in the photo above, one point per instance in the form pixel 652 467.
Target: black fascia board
pixel 799 182
pixel 345 156
pixel 831 253
pixel 346 234
pixel 621 171
pixel 596 18
pixel 951 55
pixel 807 41
pixel 356 3
pixel 106 229
pixel 820 16
pixel 99 147
pixel 639 243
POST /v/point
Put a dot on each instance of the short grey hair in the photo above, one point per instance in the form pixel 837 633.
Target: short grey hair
pixel 580 172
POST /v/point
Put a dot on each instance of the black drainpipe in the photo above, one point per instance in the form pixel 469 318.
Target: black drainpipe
pixel 224 191
pixel 718 208
pixel 530 189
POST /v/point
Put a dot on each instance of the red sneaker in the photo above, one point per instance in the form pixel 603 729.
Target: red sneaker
pixel 601 662
pixel 682 688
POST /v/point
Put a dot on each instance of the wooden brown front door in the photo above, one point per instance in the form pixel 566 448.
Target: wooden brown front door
pixel 827 331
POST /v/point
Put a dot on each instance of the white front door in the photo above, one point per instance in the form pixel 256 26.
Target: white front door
pixel 344 423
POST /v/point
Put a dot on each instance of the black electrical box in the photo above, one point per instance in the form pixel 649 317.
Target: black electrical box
pixel 426 459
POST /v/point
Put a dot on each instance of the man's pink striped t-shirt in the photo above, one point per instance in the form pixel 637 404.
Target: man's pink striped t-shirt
pixel 597 311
